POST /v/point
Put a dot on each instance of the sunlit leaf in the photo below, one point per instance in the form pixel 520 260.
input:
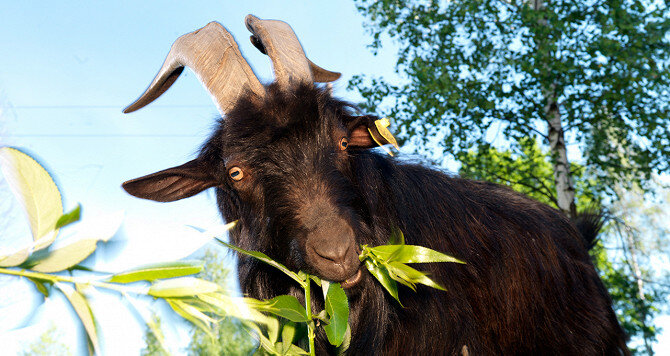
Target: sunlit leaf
pixel 288 333
pixel 182 287
pixel 337 307
pixel 36 191
pixel 158 271
pixel 289 307
pixel 229 306
pixel 412 254
pixel 412 275
pixel 70 255
pixel 15 258
pixel 383 277
pixel 272 328
pixel 83 310
pixel 316 280
pixel 295 350
pixel 193 315
pixel 70 217
pixel 62 258
pixel 266 343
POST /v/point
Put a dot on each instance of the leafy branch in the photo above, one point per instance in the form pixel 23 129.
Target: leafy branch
pixel 387 263
pixel 200 302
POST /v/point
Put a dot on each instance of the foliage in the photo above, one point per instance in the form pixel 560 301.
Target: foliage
pixel 153 336
pixel 49 265
pixel 291 310
pixel 387 263
pixel 526 168
pixel 202 301
pixel 522 172
pixel 506 73
pixel 634 307
pixel 474 67
pixel 48 344
pixel 230 337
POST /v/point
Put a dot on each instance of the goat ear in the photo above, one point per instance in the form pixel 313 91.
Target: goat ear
pixel 173 183
pixel 370 131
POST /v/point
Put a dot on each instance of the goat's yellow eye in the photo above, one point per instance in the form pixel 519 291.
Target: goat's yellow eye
pixel 344 143
pixel 236 173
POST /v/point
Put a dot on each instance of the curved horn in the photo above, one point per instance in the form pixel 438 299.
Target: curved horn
pixel 277 40
pixel 212 53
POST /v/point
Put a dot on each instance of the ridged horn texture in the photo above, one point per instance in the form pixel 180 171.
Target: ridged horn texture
pixel 277 39
pixel 212 53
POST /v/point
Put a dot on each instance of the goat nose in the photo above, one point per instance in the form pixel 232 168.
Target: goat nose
pixel 335 252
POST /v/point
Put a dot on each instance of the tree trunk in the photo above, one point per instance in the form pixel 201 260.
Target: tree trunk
pixel 565 192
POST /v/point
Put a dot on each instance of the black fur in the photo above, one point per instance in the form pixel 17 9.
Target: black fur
pixel 528 287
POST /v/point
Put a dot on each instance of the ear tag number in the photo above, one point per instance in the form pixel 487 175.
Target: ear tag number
pixel 382 128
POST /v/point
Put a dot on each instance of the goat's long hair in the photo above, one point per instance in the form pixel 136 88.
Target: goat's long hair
pixel 528 287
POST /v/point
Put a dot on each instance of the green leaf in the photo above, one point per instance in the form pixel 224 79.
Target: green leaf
pixel 192 314
pixel 41 286
pixel 288 333
pixel 83 310
pixel 68 218
pixel 263 257
pixel 62 258
pixel 240 308
pixel 287 306
pixel 383 277
pixel 182 287
pixel 72 254
pixel 397 237
pixel 316 280
pixel 272 328
pixel 411 254
pixel 265 343
pixel 34 188
pixel 16 258
pixel 158 271
pixel 342 349
pixel 411 275
pixel 295 350
pixel 337 307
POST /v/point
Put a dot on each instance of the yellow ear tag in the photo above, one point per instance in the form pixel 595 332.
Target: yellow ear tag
pixel 382 127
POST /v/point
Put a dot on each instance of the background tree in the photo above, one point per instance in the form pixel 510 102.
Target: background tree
pixel 638 291
pixel 153 335
pixel 228 337
pixel 592 73
pixel 48 344
pixel 506 87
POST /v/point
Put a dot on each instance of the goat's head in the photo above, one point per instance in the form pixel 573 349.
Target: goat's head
pixel 280 156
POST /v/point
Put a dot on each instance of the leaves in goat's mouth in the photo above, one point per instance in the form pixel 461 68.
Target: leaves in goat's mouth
pixel 388 263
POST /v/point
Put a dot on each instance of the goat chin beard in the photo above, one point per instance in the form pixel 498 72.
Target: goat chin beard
pixel 353 280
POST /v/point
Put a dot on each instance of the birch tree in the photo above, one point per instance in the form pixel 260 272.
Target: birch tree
pixel 590 75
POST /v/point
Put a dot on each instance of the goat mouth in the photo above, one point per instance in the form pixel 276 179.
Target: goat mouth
pixel 353 280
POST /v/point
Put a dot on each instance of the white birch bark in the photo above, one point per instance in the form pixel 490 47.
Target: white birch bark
pixel 565 191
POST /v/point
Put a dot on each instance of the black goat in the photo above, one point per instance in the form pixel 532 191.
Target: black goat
pixel 293 165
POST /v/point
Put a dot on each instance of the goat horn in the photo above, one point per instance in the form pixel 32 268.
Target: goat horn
pixel 277 40
pixel 212 53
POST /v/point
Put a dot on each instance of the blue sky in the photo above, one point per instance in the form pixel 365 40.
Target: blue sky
pixel 67 69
